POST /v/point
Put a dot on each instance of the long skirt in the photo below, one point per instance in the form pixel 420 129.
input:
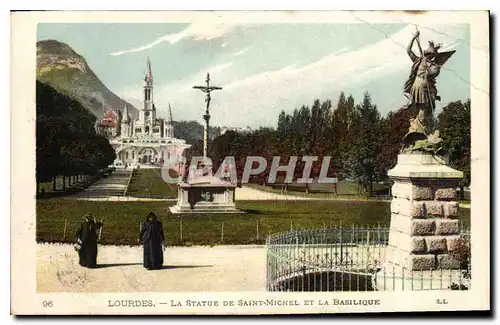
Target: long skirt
pixel 88 255
pixel 421 93
pixel 153 255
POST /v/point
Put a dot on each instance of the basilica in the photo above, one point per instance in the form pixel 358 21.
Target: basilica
pixel 147 139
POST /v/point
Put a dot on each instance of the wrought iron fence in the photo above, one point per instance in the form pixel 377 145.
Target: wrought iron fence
pixel 347 259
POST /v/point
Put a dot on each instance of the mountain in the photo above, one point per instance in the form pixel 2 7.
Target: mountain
pixel 59 66
pixel 192 131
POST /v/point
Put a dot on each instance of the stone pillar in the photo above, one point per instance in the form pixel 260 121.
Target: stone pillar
pixel 424 214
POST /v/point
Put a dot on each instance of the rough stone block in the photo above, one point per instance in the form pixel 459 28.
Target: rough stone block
pixel 411 209
pixel 418 245
pixel 396 256
pixel 395 238
pixel 422 262
pixel 422 227
pixel 417 210
pixel 407 243
pixel 447 227
pixel 407 190
pixel 401 223
pixel 445 194
pixel 395 205
pixel 433 209
pixel 421 193
pixel 451 210
pixel 401 190
pixel 452 242
pixel 436 245
pixel 447 262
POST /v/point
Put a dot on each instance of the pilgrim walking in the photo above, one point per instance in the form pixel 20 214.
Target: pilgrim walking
pixel 86 237
pixel 152 239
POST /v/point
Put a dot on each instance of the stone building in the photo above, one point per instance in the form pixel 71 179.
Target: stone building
pixel 147 139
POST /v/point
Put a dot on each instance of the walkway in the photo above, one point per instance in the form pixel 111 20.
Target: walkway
pixel 186 269
pixel 246 193
pixel 111 186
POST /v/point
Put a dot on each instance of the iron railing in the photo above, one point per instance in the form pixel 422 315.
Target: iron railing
pixel 347 259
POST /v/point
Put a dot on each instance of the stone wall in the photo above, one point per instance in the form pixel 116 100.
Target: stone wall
pixel 424 216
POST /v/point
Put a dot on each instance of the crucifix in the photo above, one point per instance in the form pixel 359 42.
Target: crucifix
pixel 206 89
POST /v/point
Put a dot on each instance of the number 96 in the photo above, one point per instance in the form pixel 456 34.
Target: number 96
pixel 46 303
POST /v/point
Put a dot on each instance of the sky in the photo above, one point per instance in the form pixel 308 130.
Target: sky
pixel 263 69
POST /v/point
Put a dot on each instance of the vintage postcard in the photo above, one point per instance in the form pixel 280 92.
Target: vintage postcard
pixel 180 163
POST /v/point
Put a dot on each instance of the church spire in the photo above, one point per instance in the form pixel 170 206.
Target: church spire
pixel 170 119
pixel 149 74
pixel 126 117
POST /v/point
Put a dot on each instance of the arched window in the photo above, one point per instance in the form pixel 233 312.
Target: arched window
pixel 147 129
pixel 126 155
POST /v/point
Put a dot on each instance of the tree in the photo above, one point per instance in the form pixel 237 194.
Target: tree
pixel 454 126
pixel 66 141
pixel 364 136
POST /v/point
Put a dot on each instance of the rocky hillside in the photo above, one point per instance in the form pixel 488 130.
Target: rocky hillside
pixel 67 71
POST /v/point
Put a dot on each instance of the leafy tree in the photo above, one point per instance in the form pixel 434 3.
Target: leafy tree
pixel 360 161
pixel 66 141
pixel 454 126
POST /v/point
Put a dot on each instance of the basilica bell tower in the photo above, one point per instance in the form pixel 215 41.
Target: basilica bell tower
pixel 148 114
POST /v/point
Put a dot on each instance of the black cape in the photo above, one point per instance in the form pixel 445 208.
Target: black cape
pixel 152 238
pixel 87 234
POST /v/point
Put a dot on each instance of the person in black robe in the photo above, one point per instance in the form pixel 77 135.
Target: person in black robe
pixel 152 239
pixel 87 236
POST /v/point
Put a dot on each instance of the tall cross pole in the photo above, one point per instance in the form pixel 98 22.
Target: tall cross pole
pixel 206 89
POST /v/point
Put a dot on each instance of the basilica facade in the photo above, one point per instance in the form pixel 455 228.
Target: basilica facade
pixel 146 139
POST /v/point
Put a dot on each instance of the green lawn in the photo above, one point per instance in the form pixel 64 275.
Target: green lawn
pixel 149 183
pixel 122 220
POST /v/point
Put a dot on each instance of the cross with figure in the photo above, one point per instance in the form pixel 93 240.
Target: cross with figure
pixel 206 89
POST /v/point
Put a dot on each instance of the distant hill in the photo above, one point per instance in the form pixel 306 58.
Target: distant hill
pixel 192 131
pixel 59 66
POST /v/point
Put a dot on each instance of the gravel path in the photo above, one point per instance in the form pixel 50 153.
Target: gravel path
pixel 218 268
pixel 112 186
pixel 247 194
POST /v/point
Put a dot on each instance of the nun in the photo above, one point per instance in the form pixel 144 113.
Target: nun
pixel 152 239
pixel 86 238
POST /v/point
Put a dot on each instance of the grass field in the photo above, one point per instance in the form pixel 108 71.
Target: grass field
pixel 58 219
pixel 149 183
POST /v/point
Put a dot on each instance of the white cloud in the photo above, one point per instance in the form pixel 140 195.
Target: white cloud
pixel 240 52
pixel 220 67
pixel 200 31
pixel 257 99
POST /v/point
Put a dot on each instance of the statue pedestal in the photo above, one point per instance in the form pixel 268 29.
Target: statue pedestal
pixel 424 222
pixel 205 194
